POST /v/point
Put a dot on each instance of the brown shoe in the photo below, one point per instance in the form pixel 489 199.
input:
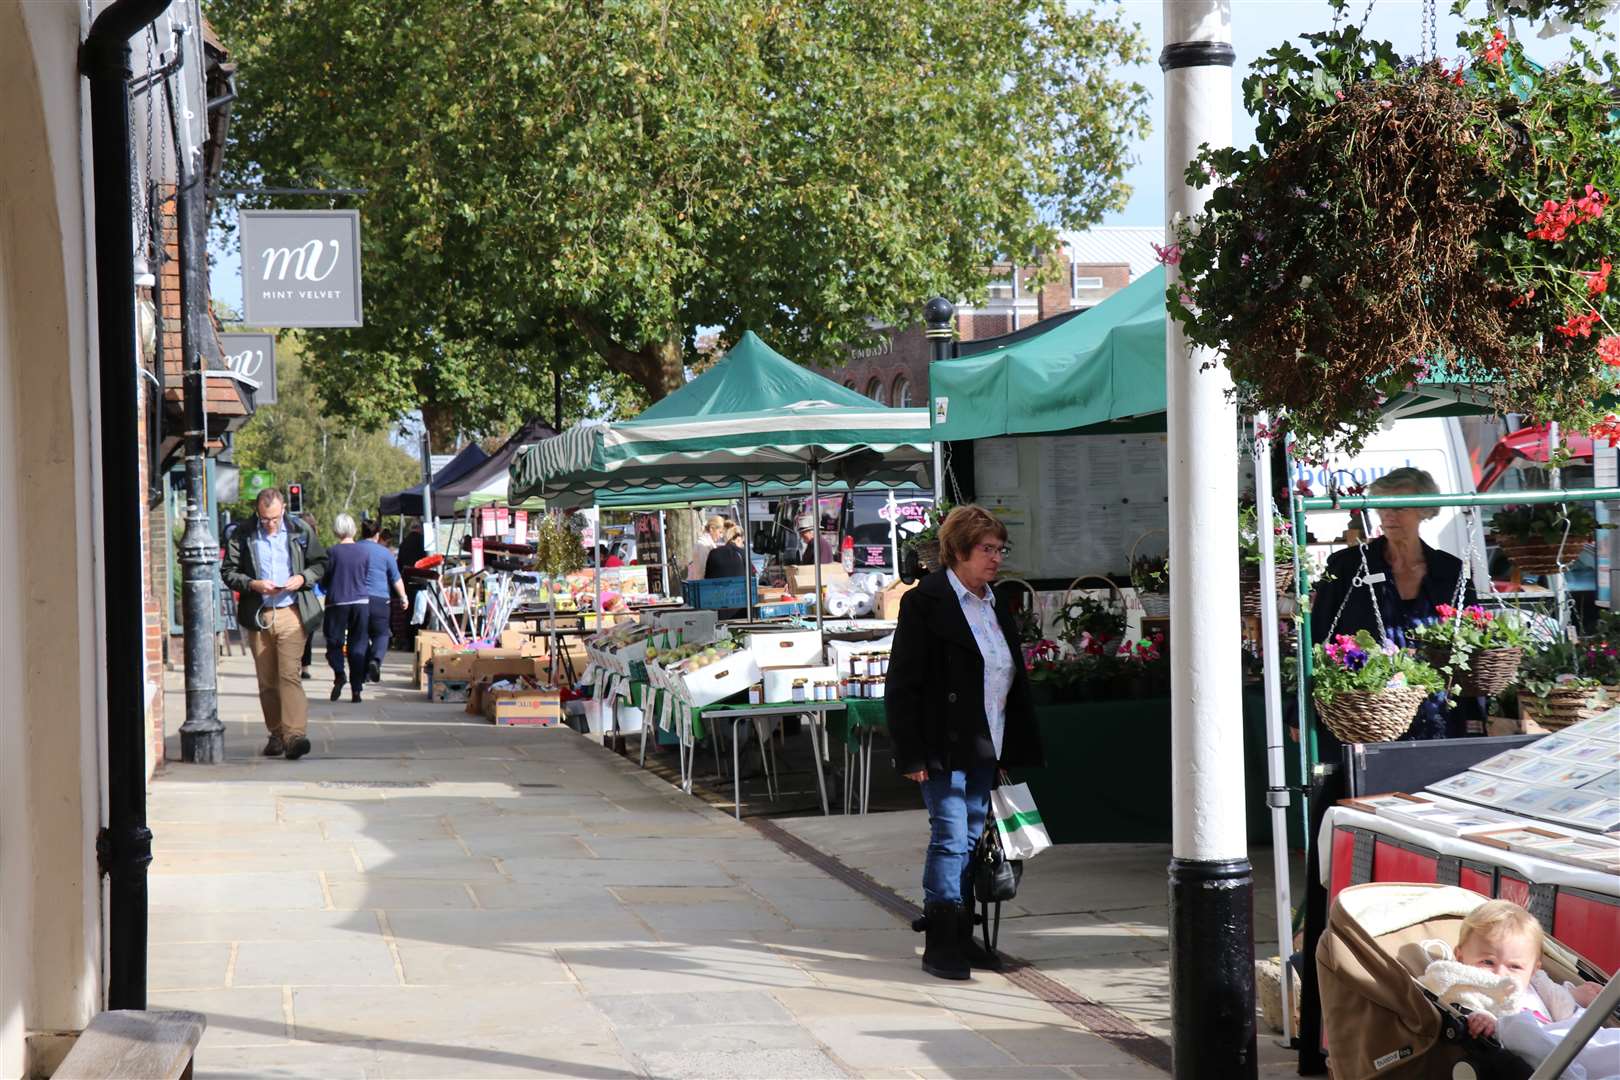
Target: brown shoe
pixel 275 747
pixel 297 747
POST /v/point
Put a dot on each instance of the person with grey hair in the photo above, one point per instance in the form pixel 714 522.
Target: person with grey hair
pixel 1402 584
pixel 348 607
pixel 274 561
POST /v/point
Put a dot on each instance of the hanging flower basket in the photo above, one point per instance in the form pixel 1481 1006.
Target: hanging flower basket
pixel 1404 224
pixel 1530 557
pixel 1362 716
pixel 927 554
pixel 1369 691
pixel 1566 705
pixel 1482 673
pixel 1150 577
pixel 1249 585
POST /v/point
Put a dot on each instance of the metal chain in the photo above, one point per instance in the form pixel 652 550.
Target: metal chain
pixel 1432 18
pixel 1361 579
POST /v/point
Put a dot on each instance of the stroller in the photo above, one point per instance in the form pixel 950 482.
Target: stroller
pixel 1377 1019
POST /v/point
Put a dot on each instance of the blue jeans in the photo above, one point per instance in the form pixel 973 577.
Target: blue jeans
pixel 957 804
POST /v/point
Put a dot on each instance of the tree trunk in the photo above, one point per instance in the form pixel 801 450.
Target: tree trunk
pixel 444 432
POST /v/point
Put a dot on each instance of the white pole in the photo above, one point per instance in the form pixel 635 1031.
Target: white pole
pixel 748 556
pixel 1559 583
pixel 894 532
pixel 815 521
pixel 1211 883
pixel 1277 797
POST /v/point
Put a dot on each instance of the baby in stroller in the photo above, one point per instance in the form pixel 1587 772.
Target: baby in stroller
pixel 1497 974
pixel 1388 1013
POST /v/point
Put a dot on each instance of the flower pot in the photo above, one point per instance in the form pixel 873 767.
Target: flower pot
pixel 1363 716
pixel 1486 673
pixel 1564 706
pixel 1534 557
pixel 1154 604
pixel 927 554
pixel 1249 585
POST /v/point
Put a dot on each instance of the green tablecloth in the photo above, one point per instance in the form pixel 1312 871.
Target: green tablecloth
pixel 860 714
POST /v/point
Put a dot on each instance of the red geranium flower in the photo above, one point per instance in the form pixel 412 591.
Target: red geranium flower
pixel 1578 325
pixel 1496 47
pixel 1598 280
pixel 1609 350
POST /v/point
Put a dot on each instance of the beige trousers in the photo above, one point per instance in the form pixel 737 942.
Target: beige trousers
pixel 278 655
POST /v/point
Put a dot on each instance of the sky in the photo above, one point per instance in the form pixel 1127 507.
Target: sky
pixel 1257 26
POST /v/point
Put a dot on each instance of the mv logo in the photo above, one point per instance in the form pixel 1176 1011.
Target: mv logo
pixel 248 362
pixel 304 261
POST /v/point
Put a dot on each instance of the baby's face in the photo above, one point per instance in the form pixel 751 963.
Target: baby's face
pixel 1513 955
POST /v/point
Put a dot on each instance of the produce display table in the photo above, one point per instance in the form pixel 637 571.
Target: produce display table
pixel 1578 906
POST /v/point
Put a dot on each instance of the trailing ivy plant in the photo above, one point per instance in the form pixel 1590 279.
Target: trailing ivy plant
pixel 1402 223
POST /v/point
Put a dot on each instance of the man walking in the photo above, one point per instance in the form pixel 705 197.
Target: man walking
pixel 382 575
pixel 274 563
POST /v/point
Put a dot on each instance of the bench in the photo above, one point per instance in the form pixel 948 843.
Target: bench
pixel 135 1045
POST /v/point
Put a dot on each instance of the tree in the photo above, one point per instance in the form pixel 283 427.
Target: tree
pixel 580 185
pixel 341 468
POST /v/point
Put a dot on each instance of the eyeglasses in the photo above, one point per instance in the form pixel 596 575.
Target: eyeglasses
pixel 1002 550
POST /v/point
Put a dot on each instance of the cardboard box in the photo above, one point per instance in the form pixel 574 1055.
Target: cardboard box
pixel 719 680
pixel 523 708
pixel 802 579
pixel 426 642
pixel 888 600
pixel 779 681
pixel 452 664
pixel 495 663
pixel 785 648
pixel 449 691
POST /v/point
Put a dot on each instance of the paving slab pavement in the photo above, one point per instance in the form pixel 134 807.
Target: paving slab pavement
pixel 429 896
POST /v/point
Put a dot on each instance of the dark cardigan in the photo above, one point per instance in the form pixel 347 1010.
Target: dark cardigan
pixel 935 693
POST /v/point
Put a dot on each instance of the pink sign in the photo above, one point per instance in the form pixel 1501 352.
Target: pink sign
pixel 477 554
pixel 486 521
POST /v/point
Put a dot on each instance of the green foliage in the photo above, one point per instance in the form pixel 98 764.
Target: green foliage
pixel 1470 629
pixel 341 468
pixel 1546 523
pixel 1400 223
pixel 579 186
pixel 558 547
pixel 1361 663
pixel 1150 573
pixel 1085 615
pixel 1556 665
pixel 1284 550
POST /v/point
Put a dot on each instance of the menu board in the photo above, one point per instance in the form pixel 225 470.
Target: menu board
pixel 1084 500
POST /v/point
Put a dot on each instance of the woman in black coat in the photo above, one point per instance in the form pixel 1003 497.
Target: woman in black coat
pixel 958 705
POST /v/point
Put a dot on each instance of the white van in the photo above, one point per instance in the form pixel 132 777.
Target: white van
pixel 1437 447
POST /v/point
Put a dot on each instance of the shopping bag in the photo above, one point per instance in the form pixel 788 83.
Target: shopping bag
pixel 1023 835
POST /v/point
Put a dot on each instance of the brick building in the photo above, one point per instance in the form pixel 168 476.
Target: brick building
pixel 1087 268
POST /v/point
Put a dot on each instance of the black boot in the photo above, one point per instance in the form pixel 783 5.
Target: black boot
pixel 942 956
pixel 975 953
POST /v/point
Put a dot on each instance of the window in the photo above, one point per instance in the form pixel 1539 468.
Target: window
pixel 1085 284
pixel 1001 288
pixel 902 393
pixel 874 390
pixel 849 384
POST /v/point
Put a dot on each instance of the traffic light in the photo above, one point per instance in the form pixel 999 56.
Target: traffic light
pixel 295 498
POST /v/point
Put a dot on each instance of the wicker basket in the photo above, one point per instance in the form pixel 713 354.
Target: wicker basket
pixel 1564 706
pixel 927 554
pixel 1249 585
pixel 1155 605
pixel 1529 557
pixel 1363 716
pixel 1116 596
pixel 1484 674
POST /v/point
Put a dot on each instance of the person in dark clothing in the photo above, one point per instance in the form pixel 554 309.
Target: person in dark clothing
pixel 959 707
pixel 348 607
pixel 728 558
pixel 382 576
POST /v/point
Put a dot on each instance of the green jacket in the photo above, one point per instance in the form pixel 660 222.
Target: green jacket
pixel 241 569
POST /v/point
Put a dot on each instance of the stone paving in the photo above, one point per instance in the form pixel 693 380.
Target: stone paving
pixel 429 896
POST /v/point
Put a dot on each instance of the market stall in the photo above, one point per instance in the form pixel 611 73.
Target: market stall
pixel 409 503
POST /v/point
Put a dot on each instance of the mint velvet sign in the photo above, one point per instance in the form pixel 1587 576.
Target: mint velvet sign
pixel 253 355
pixel 301 268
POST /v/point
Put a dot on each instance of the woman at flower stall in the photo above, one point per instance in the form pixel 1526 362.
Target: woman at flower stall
pixel 958 705
pixel 1407 583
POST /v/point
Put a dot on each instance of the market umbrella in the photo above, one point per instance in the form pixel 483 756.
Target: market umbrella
pixel 409 501
pixel 755 417
pixel 488 481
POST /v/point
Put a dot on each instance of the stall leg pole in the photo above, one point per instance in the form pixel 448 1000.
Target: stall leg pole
pixel 748 556
pixel 815 520
pixel 1277 797
pixel 894 533
pixel 596 571
pixel 736 769
pixel 1211 882
pixel 815 751
pixel 1559 583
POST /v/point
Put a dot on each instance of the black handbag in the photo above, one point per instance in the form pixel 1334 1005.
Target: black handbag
pixel 995 877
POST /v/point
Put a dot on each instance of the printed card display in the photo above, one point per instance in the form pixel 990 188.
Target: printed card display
pixel 1606 783
pixel 1373 804
pixel 1505 764
pixel 1603 815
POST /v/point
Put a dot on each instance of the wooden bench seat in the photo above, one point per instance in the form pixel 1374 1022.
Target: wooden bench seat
pixel 135 1045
